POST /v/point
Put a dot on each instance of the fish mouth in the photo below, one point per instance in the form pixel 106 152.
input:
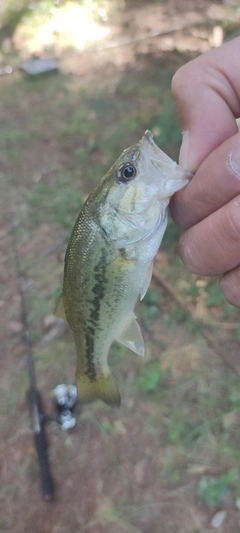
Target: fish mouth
pixel 162 166
pixel 150 149
pixel 149 136
pixel 147 143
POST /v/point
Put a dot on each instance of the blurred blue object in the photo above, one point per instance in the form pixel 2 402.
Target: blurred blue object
pixel 36 66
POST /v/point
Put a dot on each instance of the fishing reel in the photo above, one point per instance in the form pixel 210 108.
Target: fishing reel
pixel 65 398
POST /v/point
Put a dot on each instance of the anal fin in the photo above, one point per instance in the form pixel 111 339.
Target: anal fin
pixel 131 336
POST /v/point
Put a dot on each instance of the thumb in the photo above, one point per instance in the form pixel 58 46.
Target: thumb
pixel 207 96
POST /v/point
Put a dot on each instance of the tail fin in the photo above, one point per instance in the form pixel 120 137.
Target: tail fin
pixel 103 388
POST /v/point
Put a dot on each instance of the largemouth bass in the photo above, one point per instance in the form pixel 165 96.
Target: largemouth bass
pixel 109 261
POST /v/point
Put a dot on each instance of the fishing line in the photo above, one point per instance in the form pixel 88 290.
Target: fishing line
pixel 65 396
pixel 33 394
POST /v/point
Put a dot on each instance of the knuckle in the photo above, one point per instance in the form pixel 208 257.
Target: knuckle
pixel 189 254
pixel 185 79
pixel 179 82
pixel 232 222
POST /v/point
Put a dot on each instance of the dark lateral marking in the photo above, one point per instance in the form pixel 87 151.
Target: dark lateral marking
pixel 90 369
pixel 99 291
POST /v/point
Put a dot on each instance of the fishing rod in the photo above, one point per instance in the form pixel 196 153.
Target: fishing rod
pixel 65 396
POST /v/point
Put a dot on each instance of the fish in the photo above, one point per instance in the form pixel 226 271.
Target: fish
pixel 109 261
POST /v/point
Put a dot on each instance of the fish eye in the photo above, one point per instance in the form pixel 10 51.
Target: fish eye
pixel 126 172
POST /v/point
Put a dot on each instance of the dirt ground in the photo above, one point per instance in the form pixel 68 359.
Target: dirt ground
pixel 138 468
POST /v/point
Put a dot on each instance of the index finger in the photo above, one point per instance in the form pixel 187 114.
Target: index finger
pixel 215 183
pixel 207 95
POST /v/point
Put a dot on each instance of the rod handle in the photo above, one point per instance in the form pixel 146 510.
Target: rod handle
pixel 40 441
pixel 45 475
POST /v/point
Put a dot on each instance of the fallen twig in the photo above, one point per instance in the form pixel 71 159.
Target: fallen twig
pixel 226 325
pixel 162 33
pixel 58 245
pixel 210 338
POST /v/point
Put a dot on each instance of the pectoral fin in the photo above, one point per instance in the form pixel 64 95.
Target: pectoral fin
pixel 131 336
pixel 147 281
pixel 59 311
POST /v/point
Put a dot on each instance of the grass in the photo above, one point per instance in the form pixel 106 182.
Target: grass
pixel 13 396
pixel 199 406
pixel 214 295
pixel 213 490
pixel 52 201
pixel 164 126
pixel 150 376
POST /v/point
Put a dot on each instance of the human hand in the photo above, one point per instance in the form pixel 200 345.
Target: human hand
pixel 207 95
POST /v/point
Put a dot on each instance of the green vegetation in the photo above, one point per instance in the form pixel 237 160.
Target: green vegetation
pixel 52 201
pixel 166 129
pixel 150 306
pixel 214 294
pixel 150 376
pixel 213 490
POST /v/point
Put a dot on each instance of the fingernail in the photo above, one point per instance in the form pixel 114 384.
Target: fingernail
pixel 183 154
pixel 234 161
